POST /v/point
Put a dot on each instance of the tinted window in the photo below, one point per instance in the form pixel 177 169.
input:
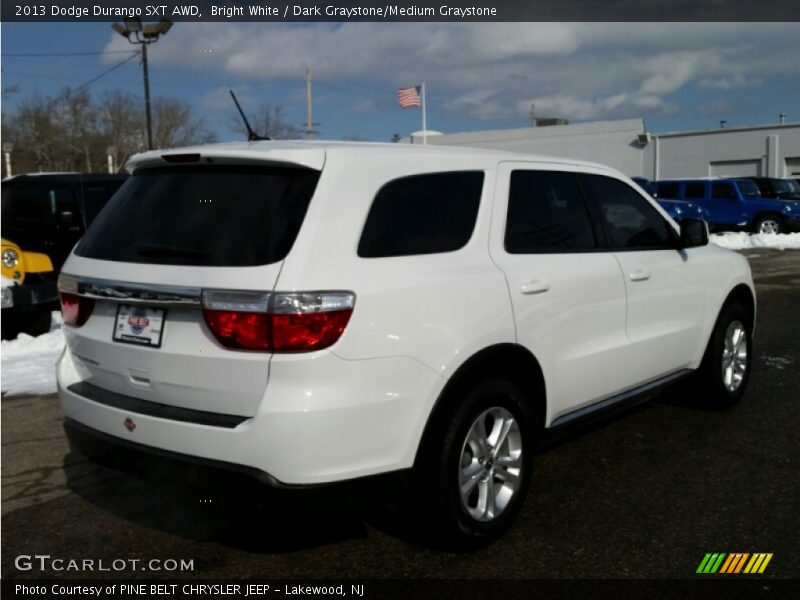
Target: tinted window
pixel 694 190
pixel 747 187
pixel 722 190
pixel 423 214
pixel 630 219
pixel 668 190
pixel 37 207
pixel 547 213
pixel 95 197
pixel 206 216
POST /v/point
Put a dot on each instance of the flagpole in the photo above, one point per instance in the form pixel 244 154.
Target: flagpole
pixel 424 121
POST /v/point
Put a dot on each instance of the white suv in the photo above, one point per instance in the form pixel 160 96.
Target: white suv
pixel 312 313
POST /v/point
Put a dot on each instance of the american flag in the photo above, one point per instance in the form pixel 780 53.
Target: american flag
pixel 408 97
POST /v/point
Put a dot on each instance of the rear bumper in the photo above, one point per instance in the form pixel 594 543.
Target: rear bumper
pixel 388 489
pixel 309 428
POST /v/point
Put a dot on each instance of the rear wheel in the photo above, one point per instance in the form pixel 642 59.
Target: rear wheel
pixel 725 370
pixel 475 479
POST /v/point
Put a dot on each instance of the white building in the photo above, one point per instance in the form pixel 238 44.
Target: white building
pixel 769 150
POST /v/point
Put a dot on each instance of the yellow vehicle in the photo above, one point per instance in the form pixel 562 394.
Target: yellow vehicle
pixel 29 290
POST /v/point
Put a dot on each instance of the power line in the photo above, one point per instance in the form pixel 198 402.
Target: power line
pixel 104 73
pixel 31 54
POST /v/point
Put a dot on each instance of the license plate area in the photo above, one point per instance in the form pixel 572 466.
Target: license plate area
pixel 139 325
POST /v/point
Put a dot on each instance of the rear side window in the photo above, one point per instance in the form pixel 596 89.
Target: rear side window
pixel 37 207
pixel 546 213
pixel 722 190
pixel 630 220
pixel 422 214
pixel 668 190
pixel 694 191
pixel 214 216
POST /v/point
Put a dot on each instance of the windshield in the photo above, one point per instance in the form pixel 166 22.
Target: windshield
pixel 783 187
pixel 203 216
pixel 748 188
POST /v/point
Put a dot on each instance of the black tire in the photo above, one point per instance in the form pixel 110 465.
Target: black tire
pixel 709 378
pixel 776 221
pixel 440 502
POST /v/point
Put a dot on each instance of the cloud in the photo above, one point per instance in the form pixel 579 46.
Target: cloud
pixel 489 71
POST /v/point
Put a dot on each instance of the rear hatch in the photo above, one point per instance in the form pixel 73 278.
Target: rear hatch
pixel 173 234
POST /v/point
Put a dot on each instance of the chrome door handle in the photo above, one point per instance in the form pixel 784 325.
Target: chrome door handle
pixel 537 286
pixel 640 275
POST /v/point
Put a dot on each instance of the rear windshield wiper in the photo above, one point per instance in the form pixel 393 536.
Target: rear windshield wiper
pixel 163 250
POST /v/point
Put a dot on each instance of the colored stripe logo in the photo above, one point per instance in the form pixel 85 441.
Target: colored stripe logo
pixel 734 562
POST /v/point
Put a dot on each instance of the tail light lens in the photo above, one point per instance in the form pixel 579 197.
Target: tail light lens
pixel 280 322
pixel 75 309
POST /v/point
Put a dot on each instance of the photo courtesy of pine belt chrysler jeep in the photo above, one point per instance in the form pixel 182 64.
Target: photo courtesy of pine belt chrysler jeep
pixel 316 313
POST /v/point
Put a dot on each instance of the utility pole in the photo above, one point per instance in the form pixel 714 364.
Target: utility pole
pixel 133 30
pixel 309 110
pixel 148 114
pixel 533 115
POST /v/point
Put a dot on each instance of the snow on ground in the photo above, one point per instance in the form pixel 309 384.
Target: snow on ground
pixel 29 363
pixel 745 241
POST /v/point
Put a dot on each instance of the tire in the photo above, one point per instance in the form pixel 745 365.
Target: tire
pixel 725 370
pixel 464 455
pixel 769 224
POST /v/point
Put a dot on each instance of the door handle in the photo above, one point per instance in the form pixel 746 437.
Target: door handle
pixel 640 275
pixel 537 286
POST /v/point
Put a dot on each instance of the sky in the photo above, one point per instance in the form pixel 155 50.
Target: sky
pixel 677 76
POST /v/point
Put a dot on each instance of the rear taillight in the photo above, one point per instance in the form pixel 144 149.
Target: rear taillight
pixel 75 309
pixel 279 322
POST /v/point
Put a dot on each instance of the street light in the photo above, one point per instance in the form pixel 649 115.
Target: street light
pixel 135 32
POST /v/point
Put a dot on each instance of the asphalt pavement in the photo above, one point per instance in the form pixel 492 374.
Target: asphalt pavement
pixel 644 495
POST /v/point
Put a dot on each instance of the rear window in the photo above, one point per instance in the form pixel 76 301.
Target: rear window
pixel 422 214
pixel 215 216
pixel 95 197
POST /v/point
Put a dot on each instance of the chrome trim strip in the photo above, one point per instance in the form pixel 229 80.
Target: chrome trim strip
pixel 138 293
pixel 641 393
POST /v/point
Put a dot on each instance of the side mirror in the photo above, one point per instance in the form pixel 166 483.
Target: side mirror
pixel 694 233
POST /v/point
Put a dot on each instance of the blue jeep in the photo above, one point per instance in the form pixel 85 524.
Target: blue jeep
pixel 677 209
pixel 733 204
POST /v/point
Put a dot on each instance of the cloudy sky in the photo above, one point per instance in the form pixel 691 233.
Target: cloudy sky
pixel 479 76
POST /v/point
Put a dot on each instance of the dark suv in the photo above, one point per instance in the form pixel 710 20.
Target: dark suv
pixel 49 212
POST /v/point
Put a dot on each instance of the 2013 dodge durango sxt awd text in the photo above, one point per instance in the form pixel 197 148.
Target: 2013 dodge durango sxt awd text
pixel 316 313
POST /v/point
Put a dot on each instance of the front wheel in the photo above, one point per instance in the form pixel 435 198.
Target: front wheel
pixel 768 224
pixel 725 370
pixel 476 478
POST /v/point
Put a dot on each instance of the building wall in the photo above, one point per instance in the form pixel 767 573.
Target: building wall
pixel 614 143
pixel 771 151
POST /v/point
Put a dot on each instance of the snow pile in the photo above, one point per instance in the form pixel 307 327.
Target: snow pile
pixel 29 363
pixel 745 241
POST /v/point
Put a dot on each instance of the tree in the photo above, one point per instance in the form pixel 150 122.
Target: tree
pixel 175 125
pixel 269 121
pixel 72 131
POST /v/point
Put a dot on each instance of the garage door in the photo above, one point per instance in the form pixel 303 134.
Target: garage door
pixel 735 168
pixel 793 167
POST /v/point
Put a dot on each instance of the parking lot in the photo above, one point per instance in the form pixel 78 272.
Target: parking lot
pixel 645 495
